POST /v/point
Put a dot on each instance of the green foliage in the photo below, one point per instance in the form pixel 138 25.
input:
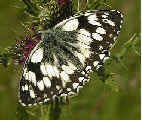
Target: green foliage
pixel 31 8
pixel 81 5
pixel 98 4
pixel 7 55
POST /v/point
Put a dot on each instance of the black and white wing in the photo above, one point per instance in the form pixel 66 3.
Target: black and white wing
pixel 62 62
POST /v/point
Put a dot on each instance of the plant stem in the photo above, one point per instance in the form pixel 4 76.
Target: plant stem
pixel 31 7
pixel 84 3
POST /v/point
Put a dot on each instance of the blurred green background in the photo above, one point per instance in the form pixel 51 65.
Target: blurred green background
pixel 93 102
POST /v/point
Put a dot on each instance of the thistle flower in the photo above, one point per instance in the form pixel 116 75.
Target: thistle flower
pixel 50 14
pixel 30 41
pixel 63 2
pixel 25 46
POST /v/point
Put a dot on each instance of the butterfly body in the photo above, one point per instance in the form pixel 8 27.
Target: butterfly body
pixel 62 61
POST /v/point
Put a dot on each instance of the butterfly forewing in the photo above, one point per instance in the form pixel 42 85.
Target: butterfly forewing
pixel 62 62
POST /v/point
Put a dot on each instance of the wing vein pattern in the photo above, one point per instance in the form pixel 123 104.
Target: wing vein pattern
pixel 61 63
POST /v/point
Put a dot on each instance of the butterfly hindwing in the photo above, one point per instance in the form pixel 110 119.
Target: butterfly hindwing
pixel 62 61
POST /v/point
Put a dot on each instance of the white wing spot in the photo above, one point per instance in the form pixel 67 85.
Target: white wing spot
pixel 100 30
pixel 47 82
pixel 75 85
pixel 117 11
pixel 57 87
pixel 29 104
pixel 88 68
pixel 106 13
pixel 54 97
pixel 72 66
pixel 25 70
pixel 43 69
pixel 40 102
pixel 83 46
pixel 78 88
pixel 80 56
pixel 55 59
pixel 102 56
pixel 37 56
pixel 121 15
pixel 45 95
pixel 105 58
pixel 26 75
pixel 40 85
pixel 56 71
pixel 85 39
pixel 23 104
pixel 65 78
pixel 60 91
pixel 109 22
pixel 23 88
pixel 80 79
pixel 50 70
pixel 95 63
pixel 92 17
pixel 35 104
pixel 32 94
pixel 97 36
pixel 114 38
pixel 71 25
pixel 26 87
pixel 84 36
pixel 67 69
pixel 71 93
pixel 87 14
pixel 64 95
pixel 118 32
pixel 31 77
pixel 104 16
pixel 114 10
pixel 100 47
pixel 47 99
pixel 83 72
pixel 85 80
pixel 68 89
pixel 85 50
pixel 98 67
pixel 94 23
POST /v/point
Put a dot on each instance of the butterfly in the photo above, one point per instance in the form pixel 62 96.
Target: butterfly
pixel 61 63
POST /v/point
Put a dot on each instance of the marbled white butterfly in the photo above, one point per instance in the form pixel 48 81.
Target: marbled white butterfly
pixel 62 61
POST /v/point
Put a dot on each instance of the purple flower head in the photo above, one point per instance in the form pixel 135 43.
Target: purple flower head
pixel 25 47
pixel 63 2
